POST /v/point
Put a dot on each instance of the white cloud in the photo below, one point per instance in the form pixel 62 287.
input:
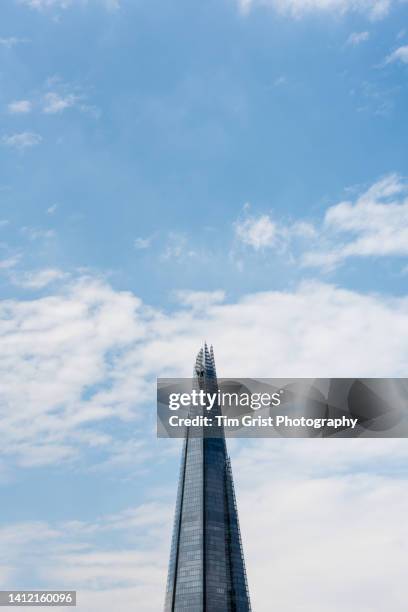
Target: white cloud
pixel 12 41
pixel 258 232
pixel 333 509
pixel 9 262
pixel 374 9
pixel 35 233
pixel 375 225
pixel 55 103
pixel 307 509
pixel 67 347
pixel 19 107
pixel 22 140
pixel 200 300
pixel 143 243
pixel 26 533
pixel 302 229
pixel 86 353
pixel 325 511
pixel 399 55
pixel 356 38
pixel 58 97
pixel 327 260
pixel 52 209
pixel 177 247
pixel 43 5
pixel 38 279
pixel 109 559
pixel 261 232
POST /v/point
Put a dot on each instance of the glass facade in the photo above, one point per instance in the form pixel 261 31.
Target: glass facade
pixel 206 570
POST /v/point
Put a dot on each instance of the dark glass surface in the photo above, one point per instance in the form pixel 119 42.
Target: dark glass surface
pixel 206 570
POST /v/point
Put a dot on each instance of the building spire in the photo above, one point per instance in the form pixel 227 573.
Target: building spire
pixel 207 569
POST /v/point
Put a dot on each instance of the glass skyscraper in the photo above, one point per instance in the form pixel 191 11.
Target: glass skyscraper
pixel 207 569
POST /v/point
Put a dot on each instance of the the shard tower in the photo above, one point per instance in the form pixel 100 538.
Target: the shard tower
pixel 206 570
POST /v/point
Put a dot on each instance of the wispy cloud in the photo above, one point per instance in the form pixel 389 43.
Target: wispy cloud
pixel 88 352
pixel 56 97
pixel 35 233
pixel 375 225
pixel 376 98
pixel 356 38
pixel 261 232
pixel 38 279
pixel 84 354
pixel 82 330
pixel 41 5
pixel 51 210
pixel 9 262
pixel 399 55
pixel 329 489
pixel 123 553
pixel 22 140
pixel 116 558
pixel 200 300
pixel 373 9
pixel 258 232
pixel 178 247
pixel 12 41
pixel 44 5
pixel 143 243
pixel 19 107
pixel 60 96
pixel 55 103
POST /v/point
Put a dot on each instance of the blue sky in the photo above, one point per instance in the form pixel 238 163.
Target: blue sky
pixel 171 172
pixel 176 117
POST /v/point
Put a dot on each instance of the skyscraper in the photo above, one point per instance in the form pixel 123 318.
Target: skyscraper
pixel 207 569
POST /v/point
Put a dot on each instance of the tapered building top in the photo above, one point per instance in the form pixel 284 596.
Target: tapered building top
pixel 205 363
pixel 206 570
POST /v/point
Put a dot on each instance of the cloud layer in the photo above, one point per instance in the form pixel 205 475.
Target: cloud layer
pixel 399 55
pixel 318 519
pixel 86 355
pixel 318 522
pixel 112 560
pixel 373 225
pixel 22 140
pixel 43 5
pixel 374 9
